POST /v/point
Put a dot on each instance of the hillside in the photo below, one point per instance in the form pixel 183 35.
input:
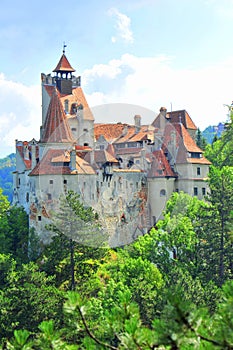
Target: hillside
pixel 211 131
pixel 7 166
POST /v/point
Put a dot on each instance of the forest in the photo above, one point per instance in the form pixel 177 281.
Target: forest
pixel 170 289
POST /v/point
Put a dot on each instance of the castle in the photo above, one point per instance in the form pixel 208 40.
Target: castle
pixel 126 173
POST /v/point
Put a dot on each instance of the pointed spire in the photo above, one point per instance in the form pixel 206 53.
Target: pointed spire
pixel 63 65
pixel 56 128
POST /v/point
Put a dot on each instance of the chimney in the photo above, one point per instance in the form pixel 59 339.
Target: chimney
pixel 137 122
pixel 73 159
pixel 163 111
pixel 125 130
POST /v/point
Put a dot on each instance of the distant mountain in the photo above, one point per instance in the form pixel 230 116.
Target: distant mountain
pixel 211 131
pixel 7 166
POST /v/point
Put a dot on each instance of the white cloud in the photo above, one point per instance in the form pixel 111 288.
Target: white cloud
pixel 140 83
pixel 122 26
pixel 152 82
pixel 110 70
pixel 20 114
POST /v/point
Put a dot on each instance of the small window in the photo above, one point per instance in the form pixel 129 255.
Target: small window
pixel 85 144
pixel 101 146
pixel 198 171
pixel 195 191
pixel 73 129
pixel 27 197
pixel 18 181
pixel 85 130
pixel 66 105
pixel 39 218
pixel 65 182
pixel 49 196
pixel 203 191
pixel 163 193
pixel 51 182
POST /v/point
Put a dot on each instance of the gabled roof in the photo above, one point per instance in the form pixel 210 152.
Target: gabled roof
pixel 180 116
pixel 101 156
pixel 56 128
pixel 160 166
pixel 63 65
pixel 184 147
pixel 53 161
pixel 183 117
pixel 45 165
pixel 188 141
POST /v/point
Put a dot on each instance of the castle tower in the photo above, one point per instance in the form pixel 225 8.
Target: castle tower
pixel 63 76
pixel 72 99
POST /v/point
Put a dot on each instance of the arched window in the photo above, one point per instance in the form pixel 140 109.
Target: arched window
pixel 162 193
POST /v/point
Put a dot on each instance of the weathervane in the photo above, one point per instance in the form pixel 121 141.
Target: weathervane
pixel 64 47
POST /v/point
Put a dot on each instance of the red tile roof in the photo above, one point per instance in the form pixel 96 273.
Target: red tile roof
pixel 183 117
pixel 20 149
pixel 101 156
pixel 78 97
pixel 202 160
pixel 189 143
pixel 160 166
pixel 45 166
pixel 63 65
pixel 109 131
pixel 177 133
pixel 50 164
pixel 56 128
pixel 128 133
pixel 180 116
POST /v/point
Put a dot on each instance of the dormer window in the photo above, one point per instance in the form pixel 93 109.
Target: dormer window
pixel 195 155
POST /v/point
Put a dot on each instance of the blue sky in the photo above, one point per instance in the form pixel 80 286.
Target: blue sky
pixel 151 53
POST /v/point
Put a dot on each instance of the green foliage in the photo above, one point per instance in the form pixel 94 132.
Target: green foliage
pixel 27 297
pixel 78 222
pixel 219 221
pixel 77 244
pixel 14 232
pixel 138 276
pixel 7 166
pixel 200 140
pixel 180 326
pixel 220 152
